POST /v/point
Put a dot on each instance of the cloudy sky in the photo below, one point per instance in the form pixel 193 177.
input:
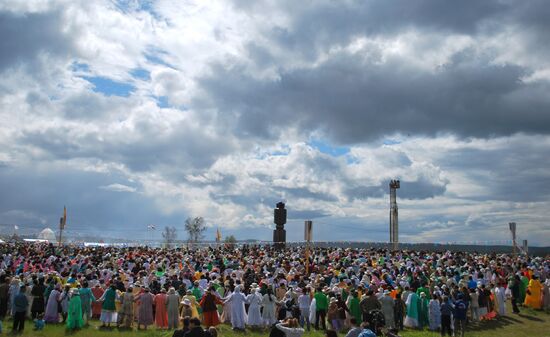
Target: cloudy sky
pixel 139 112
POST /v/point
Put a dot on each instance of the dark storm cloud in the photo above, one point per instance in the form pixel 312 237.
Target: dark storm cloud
pixel 181 148
pixel 365 192
pixel 422 188
pixel 91 208
pixel 354 100
pixel 313 28
pixel 357 97
pixel 23 37
pixel 515 173
pixel 307 214
pixel 306 193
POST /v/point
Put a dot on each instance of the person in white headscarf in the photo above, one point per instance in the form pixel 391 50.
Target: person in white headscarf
pixel 500 298
pixel 238 314
pixel 254 300
pixel 269 303
pixel 387 309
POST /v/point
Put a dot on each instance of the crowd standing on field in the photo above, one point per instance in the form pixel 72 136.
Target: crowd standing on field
pixel 346 291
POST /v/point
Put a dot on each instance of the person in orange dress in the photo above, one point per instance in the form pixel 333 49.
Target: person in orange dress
pixel 209 309
pixel 161 314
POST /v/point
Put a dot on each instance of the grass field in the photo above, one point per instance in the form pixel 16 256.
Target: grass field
pixel 528 324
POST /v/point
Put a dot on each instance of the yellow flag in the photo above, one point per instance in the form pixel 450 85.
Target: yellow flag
pixel 64 216
pixel 218 235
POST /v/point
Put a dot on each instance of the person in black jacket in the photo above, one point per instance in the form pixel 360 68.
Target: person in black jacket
pixel 514 288
pixel 195 328
pixel 37 293
pixel 185 329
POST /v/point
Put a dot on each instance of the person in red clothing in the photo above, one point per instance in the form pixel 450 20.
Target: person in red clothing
pixel 96 306
pixel 161 314
pixel 210 311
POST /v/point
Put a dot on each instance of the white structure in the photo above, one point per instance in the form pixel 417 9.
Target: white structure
pixel 47 234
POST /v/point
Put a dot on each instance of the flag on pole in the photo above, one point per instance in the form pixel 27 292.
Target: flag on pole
pixel 151 227
pixel 16 227
pixel 218 235
pixel 64 222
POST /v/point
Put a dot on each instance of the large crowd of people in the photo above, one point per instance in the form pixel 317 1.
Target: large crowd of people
pixel 193 290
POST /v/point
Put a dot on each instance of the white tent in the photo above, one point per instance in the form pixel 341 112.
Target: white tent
pixel 47 234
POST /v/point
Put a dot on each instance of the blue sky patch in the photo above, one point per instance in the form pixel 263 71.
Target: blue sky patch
pixel 391 142
pixel 324 147
pixel 162 102
pixel 109 87
pixel 141 74
pixel 80 67
pixel 155 59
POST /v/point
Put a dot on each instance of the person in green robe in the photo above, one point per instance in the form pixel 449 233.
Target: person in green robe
pixel 424 290
pixel 354 307
pixel 198 294
pixel 411 321
pixel 523 288
pixel 74 318
pixel 423 311
pixel 108 307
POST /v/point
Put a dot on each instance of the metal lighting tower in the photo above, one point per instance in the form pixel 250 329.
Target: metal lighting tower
pixel 394 224
pixel 513 230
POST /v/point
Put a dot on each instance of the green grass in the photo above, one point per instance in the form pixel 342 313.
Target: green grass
pixel 529 323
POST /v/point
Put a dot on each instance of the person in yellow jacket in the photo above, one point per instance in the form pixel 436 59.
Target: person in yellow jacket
pixel 533 298
pixel 193 303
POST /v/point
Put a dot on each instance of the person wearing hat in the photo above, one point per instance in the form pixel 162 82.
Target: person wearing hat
pixel 333 315
pixel 74 318
pixel 186 310
pixel 193 302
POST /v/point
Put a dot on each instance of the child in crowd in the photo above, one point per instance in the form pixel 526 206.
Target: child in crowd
pixel 39 322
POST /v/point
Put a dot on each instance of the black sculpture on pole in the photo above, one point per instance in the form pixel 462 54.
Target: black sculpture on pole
pixel 279 234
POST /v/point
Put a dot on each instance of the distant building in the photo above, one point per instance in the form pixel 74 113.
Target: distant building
pixel 47 234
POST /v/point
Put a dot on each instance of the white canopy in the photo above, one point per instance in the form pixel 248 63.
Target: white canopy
pixel 47 234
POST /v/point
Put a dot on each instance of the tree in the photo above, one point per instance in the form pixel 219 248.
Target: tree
pixel 169 234
pixel 230 241
pixel 195 228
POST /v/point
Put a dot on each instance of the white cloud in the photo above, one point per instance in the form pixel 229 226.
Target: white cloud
pixel 118 188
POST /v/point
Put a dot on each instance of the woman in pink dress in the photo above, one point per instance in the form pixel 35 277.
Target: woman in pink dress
pixel 161 314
